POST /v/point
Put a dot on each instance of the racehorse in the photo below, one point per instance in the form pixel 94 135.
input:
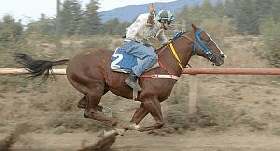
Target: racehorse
pixel 90 74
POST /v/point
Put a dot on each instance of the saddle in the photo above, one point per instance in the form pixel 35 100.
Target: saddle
pixel 123 62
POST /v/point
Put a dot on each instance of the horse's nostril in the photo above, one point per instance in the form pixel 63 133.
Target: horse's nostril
pixel 223 56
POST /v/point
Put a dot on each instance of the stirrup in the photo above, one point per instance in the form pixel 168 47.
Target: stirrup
pixel 134 85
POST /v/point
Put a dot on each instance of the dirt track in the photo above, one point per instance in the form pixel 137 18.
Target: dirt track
pixel 135 141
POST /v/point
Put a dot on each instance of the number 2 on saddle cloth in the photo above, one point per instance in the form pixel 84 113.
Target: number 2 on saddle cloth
pixel 123 62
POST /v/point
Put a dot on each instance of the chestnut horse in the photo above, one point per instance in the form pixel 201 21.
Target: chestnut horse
pixel 90 74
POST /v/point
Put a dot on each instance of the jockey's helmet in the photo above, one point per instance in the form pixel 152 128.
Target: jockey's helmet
pixel 164 15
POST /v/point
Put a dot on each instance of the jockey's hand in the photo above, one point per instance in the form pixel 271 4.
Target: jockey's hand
pixel 152 9
pixel 169 41
pixel 150 20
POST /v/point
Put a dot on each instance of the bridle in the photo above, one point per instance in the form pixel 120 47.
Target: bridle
pixel 201 45
pixel 198 42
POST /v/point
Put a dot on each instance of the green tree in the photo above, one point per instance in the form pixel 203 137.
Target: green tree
pixel 122 28
pixel 11 39
pixel 44 26
pixel 207 10
pixel 229 8
pixel 275 11
pixel 270 31
pixel 110 26
pixel 195 15
pixel 91 22
pixel 183 18
pixel 9 30
pixel 71 17
pixel 47 25
pixel 246 17
pixel 263 7
pixel 219 8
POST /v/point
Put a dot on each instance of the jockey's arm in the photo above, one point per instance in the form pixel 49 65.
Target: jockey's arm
pixel 161 37
pixel 135 27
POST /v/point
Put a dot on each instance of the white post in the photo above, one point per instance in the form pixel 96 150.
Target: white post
pixel 192 94
pixel 183 24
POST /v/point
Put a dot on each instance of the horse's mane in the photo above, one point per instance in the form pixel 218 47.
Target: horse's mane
pixel 177 35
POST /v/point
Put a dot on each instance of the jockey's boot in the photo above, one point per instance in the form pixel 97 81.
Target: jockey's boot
pixel 131 81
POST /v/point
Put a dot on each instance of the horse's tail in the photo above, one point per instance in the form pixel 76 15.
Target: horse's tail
pixel 38 67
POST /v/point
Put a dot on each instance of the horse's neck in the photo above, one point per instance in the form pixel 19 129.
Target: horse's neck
pixel 182 48
pixel 187 47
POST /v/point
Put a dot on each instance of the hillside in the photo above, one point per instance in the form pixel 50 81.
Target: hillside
pixel 128 13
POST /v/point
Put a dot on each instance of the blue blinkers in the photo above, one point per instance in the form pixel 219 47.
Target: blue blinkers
pixel 201 45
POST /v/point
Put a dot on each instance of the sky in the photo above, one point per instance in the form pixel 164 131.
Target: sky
pixel 32 9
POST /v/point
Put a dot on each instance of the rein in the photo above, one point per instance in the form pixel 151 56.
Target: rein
pixel 172 49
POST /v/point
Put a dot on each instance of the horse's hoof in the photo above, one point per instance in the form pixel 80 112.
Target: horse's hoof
pixel 132 126
pixel 81 106
pixel 104 133
pixel 85 115
pixel 120 131
pixel 107 111
pixel 82 103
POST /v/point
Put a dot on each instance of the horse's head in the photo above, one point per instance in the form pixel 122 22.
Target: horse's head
pixel 205 46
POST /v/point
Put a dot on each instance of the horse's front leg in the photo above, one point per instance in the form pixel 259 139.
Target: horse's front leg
pixel 139 114
pixel 153 106
pixel 147 106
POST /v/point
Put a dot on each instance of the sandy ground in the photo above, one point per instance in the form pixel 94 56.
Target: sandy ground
pixel 136 141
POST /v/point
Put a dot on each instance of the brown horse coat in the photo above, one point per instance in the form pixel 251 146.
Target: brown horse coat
pixel 90 73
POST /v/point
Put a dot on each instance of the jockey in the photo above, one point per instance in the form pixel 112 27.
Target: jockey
pixel 137 36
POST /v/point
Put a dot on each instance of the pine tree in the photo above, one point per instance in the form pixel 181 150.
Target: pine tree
pixel 9 29
pixel 229 8
pixel 91 22
pixel 263 7
pixel 207 10
pixel 275 11
pixel 246 18
pixel 110 26
pixel 71 16
pixel 219 8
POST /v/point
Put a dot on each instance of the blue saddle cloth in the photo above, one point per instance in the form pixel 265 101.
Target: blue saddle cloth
pixel 123 62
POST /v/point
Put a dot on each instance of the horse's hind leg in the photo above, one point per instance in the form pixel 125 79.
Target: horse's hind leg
pixel 94 96
pixel 84 101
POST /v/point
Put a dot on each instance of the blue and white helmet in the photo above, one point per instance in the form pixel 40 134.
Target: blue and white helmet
pixel 164 15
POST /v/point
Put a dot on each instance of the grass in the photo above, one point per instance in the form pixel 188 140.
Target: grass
pixel 213 113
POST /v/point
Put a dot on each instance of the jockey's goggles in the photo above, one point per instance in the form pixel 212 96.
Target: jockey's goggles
pixel 165 21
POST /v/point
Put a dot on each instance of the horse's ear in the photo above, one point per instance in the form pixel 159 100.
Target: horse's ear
pixel 194 27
